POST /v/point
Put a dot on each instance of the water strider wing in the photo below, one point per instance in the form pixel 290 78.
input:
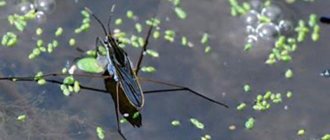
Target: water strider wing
pixel 130 85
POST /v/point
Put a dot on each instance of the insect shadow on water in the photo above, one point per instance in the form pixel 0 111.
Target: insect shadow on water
pixel 325 20
pixel 121 79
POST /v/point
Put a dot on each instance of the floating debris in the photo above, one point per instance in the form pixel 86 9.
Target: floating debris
pixel 232 127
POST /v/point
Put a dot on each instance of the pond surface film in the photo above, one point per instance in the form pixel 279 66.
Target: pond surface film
pixel 219 68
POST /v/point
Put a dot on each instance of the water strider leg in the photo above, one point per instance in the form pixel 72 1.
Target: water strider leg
pixel 178 88
pixel 117 113
pixel 97 42
pixel 142 53
pixel 80 50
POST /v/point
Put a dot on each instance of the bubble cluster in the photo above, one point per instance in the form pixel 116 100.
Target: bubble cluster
pixel 267 31
pixel 273 12
pixel 47 6
pixel 24 7
pixel 265 21
pixel 251 18
pixel 43 8
pixel 285 26
pixel 41 17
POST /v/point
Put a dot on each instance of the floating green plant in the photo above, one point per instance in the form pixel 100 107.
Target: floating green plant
pixel 249 124
pixel 301 132
pixel 197 123
pixel 89 64
pixel 241 106
pixel 175 123
pixel 100 133
pixel 22 118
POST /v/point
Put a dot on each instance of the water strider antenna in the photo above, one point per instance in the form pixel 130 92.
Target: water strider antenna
pixel 110 17
pixel 98 20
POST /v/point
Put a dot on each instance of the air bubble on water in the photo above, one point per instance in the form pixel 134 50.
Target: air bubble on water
pixel 285 26
pixel 286 107
pixel 251 39
pixel 273 12
pixel 47 6
pixel 41 17
pixel 24 7
pixel 251 18
pixel 250 30
pixel 268 31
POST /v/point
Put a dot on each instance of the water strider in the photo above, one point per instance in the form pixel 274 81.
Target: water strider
pixel 123 81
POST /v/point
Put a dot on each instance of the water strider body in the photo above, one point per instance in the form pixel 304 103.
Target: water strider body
pixel 123 83
pixel 121 79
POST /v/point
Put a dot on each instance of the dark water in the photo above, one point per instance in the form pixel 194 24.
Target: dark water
pixel 219 75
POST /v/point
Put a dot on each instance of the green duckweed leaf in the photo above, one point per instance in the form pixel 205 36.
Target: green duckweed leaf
pixel 89 64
